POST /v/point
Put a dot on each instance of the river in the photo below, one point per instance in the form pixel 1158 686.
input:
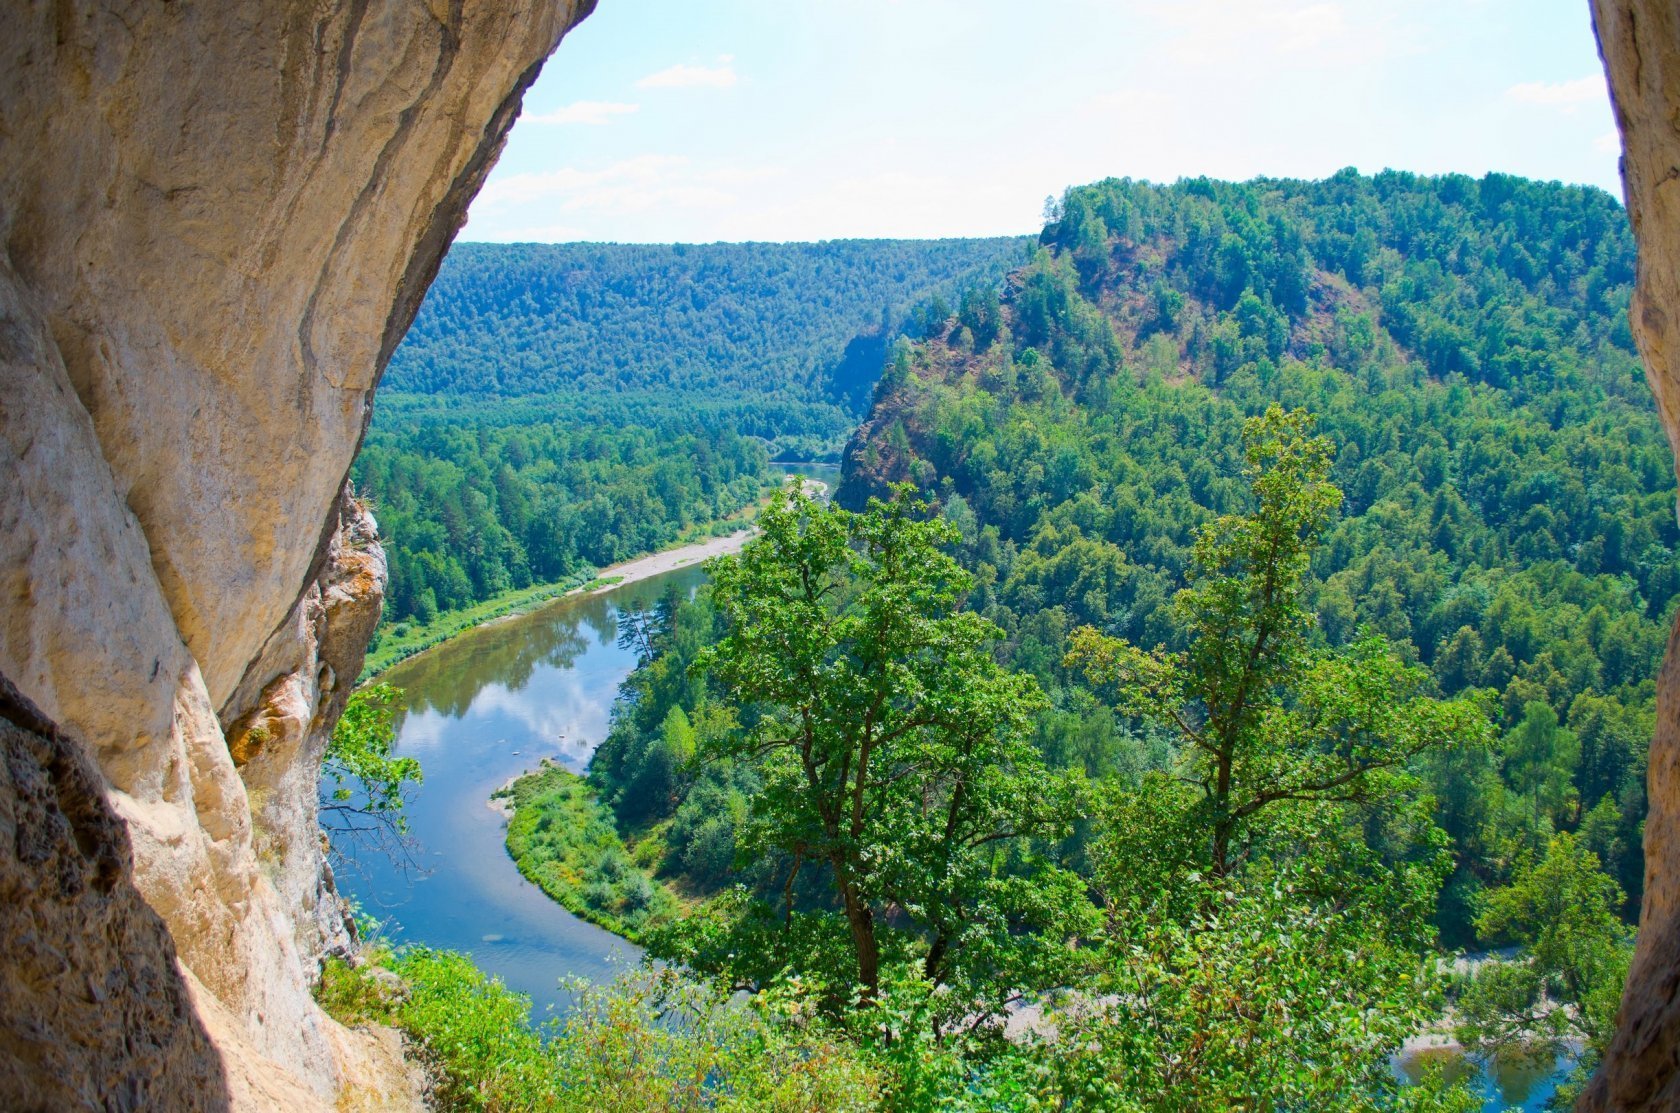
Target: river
pixel 479 710
pixel 489 705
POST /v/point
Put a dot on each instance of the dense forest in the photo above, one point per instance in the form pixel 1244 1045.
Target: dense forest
pixel 472 509
pixel 1508 515
pixel 561 407
pixel 1294 566
pixel 798 328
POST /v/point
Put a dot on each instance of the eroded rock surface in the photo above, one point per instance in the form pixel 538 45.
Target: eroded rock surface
pixel 281 716
pixel 90 966
pixel 1640 43
pixel 216 221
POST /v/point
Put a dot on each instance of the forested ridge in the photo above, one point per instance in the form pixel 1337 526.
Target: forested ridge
pixel 1508 517
pixel 558 407
pixel 1296 564
pixel 725 320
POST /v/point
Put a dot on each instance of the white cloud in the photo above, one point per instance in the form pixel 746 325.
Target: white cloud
pixel 570 181
pixel 1559 94
pixel 890 202
pixel 680 76
pixel 564 201
pixel 594 112
pixel 1209 32
pixel 1610 143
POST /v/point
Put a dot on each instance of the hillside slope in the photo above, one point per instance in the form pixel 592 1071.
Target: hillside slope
pixel 723 321
pixel 1509 506
pixel 564 406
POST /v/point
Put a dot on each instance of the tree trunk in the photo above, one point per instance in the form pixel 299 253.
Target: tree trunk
pixel 936 957
pixel 1222 822
pixel 862 921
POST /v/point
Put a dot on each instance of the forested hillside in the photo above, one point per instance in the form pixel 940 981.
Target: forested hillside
pixel 1323 535
pixel 563 406
pixel 1508 516
pixel 728 322
pixel 470 511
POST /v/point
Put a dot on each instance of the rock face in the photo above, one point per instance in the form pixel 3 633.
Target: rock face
pixel 295 691
pixel 1639 41
pixel 90 965
pixel 216 221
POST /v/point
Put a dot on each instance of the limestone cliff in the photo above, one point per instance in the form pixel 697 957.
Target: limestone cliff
pixel 216 221
pixel 294 692
pixel 1640 43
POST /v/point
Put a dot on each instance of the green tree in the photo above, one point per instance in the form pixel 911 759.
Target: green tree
pixel 1563 990
pixel 893 749
pixel 1265 717
pixel 369 787
pixel 1540 761
pixel 1269 895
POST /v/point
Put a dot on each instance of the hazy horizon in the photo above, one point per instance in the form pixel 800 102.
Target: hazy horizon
pixel 749 121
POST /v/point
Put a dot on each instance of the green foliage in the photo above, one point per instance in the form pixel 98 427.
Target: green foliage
pixel 649 1043
pixel 474 504
pixel 1269 723
pixel 1266 997
pixel 1562 991
pixel 860 755
pixel 565 843
pixel 891 747
pixel 1507 520
pixel 752 319
pixel 1261 952
pixel 368 787
pixel 558 407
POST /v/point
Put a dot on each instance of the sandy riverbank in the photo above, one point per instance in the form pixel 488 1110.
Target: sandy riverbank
pixel 657 564
pixel 669 560
pixel 613 577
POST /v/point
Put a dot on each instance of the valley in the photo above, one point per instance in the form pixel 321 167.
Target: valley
pixel 1230 664
pixel 1076 426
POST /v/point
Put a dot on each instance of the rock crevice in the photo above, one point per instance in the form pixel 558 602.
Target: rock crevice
pixel 216 221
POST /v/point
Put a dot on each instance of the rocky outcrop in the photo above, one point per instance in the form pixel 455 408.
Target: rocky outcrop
pixel 1640 44
pixel 286 704
pixel 216 221
pixel 90 966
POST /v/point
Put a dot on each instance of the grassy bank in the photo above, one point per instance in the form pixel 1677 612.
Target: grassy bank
pixel 565 842
pixel 410 636
pixel 617 1049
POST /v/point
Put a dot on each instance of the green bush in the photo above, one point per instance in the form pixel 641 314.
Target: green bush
pixel 564 841
pixel 650 1041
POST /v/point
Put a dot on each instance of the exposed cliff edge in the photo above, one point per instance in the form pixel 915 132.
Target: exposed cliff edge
pixel 1640 44
pixel 217 221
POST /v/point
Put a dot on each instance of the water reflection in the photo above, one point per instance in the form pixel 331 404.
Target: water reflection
pixel 1505 1082
pixel 479 711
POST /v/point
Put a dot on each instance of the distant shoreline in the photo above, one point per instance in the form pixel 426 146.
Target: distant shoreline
pixel 616 576
pixel 620 575
pixel 641 568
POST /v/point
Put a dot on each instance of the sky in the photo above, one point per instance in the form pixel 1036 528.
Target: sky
pixel 702 120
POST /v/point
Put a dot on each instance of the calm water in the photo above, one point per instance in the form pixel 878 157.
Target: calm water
pixel 1506 1083
pixel 482 709
pixel 490 705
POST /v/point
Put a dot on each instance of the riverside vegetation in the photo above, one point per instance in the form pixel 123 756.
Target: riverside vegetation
pixel 559 408
pixel 1120 687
